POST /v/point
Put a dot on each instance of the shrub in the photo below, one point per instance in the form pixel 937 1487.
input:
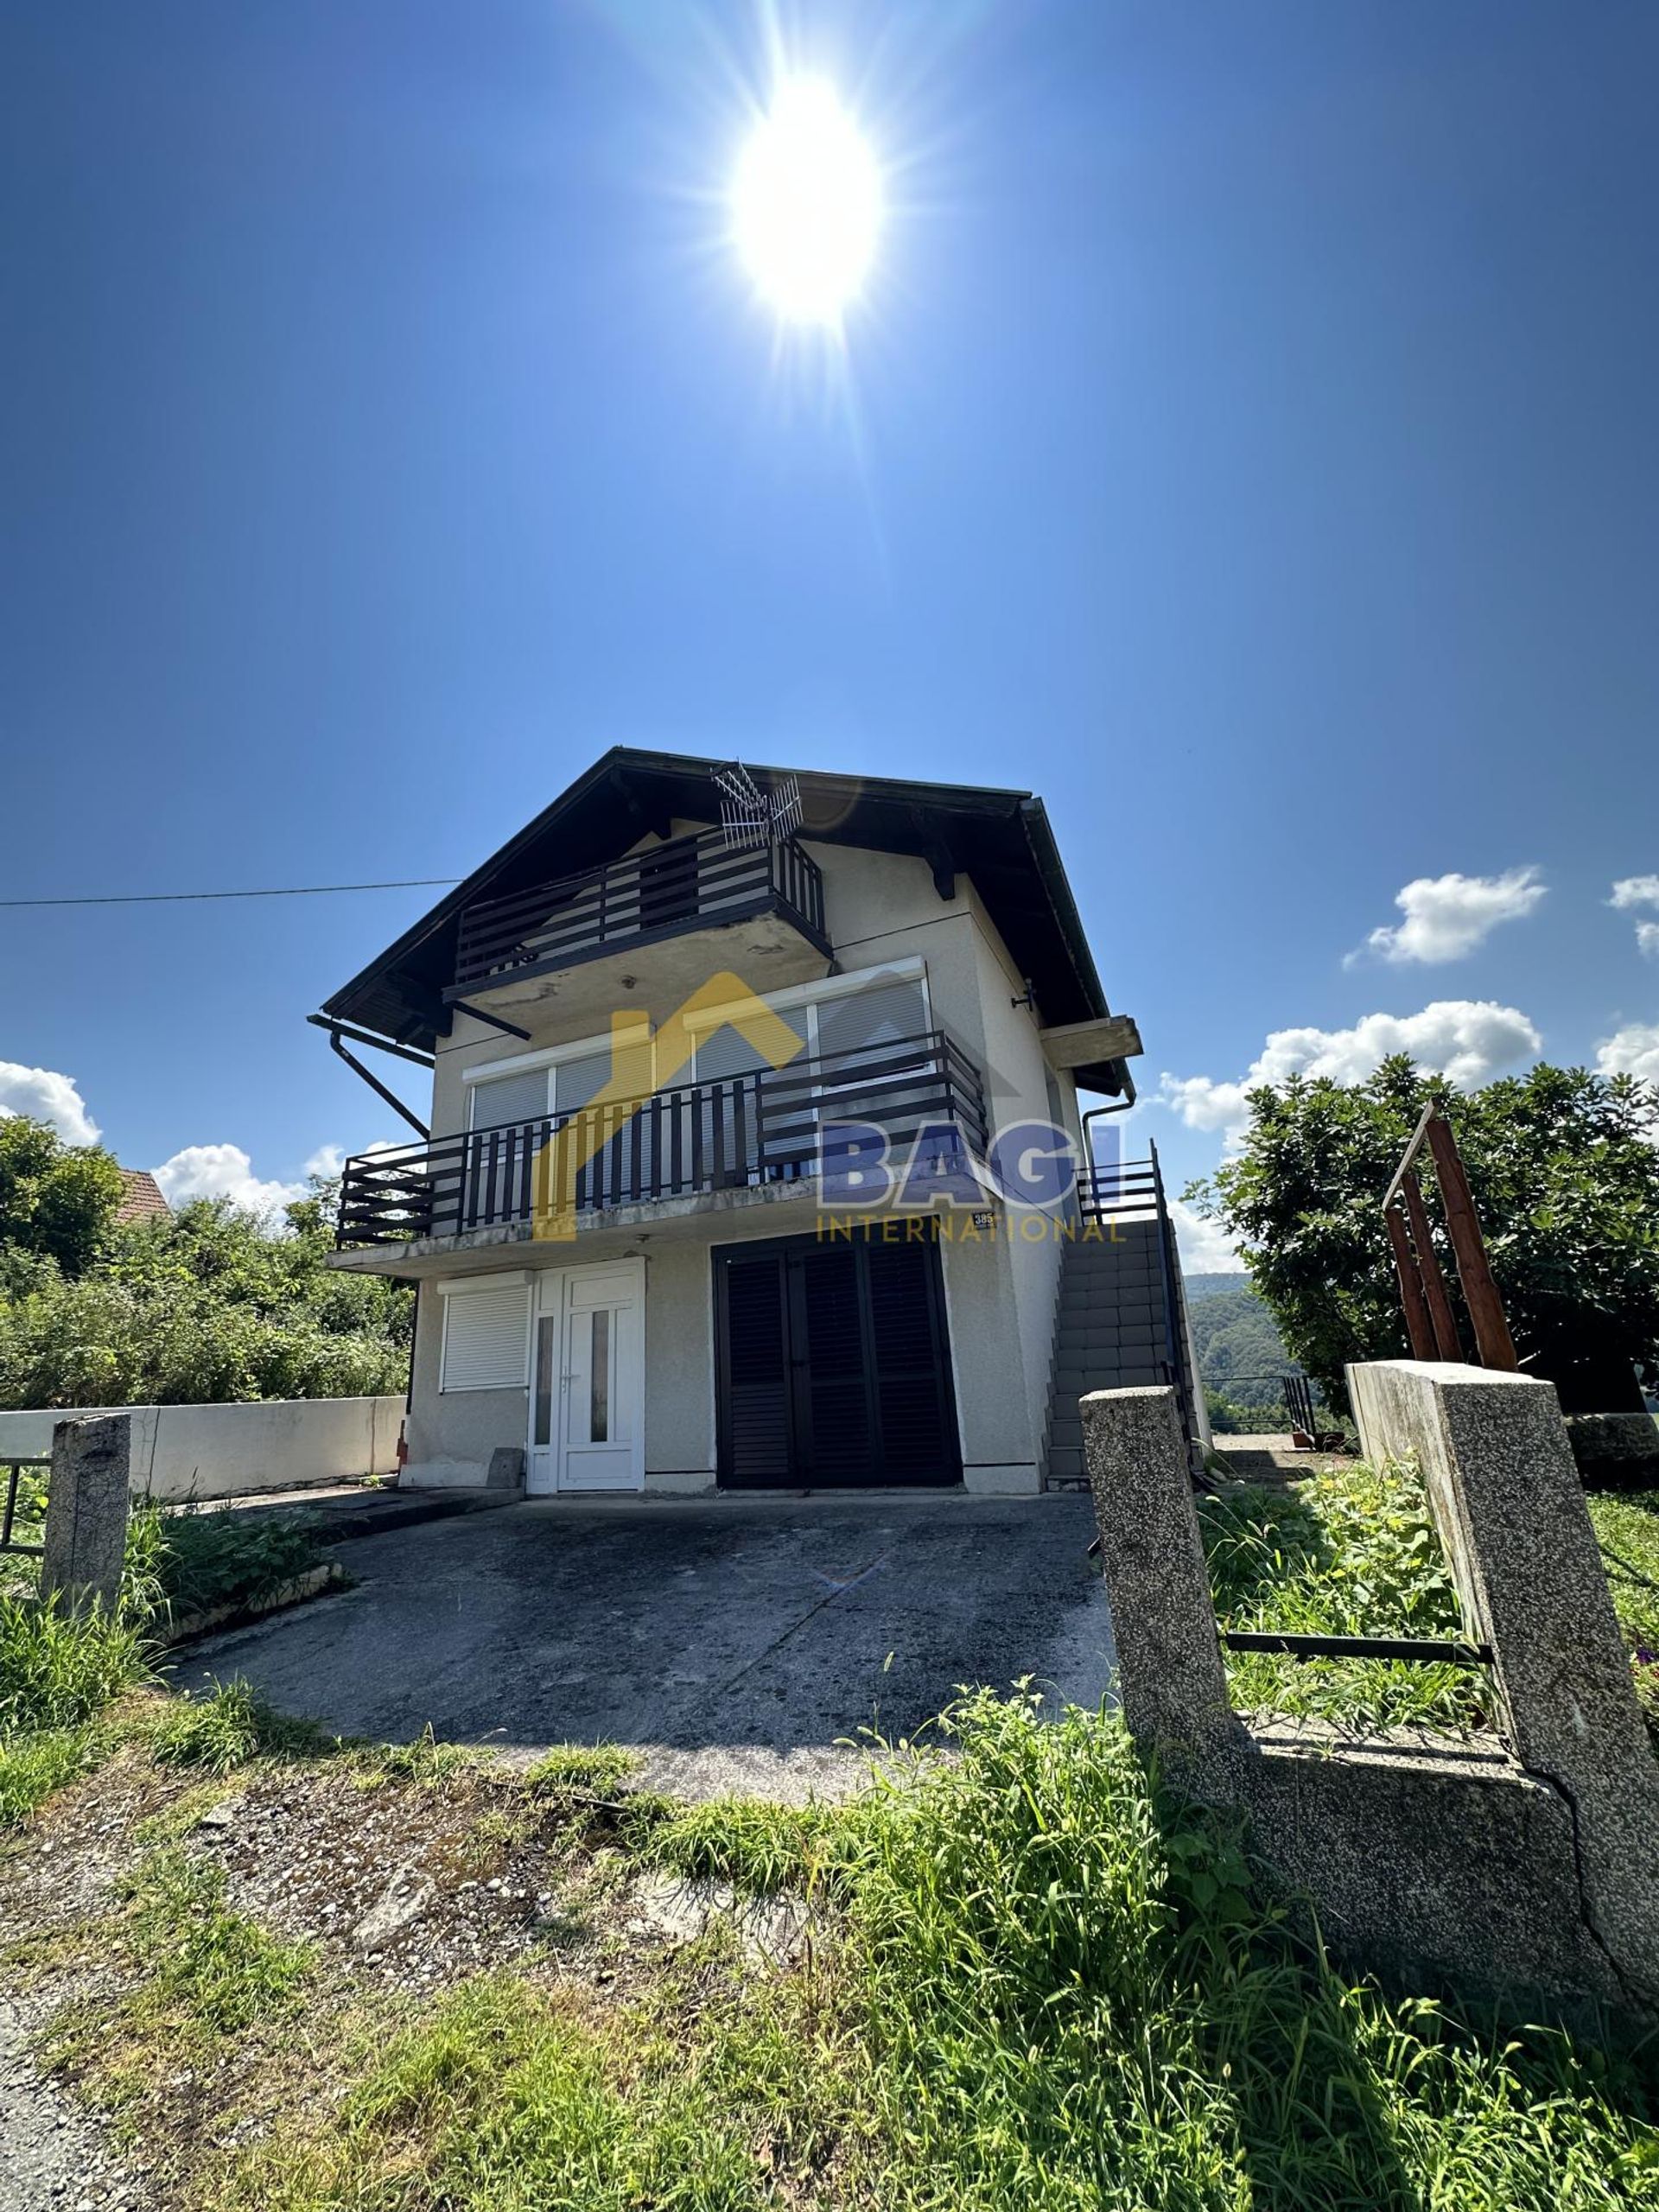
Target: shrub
pixel 202 1559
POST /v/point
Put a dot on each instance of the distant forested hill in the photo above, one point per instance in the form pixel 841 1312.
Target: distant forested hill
pixel 1213 1286
pixel 1238 1346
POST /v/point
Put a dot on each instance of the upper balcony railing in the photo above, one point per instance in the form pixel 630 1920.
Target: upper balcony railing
pixel 735 1133
pixel 663 891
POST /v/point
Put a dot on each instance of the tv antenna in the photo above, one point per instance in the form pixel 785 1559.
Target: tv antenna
pixel 750 815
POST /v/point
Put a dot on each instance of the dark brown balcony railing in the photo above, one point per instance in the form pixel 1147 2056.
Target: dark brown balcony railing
pixel 738 1132
pixel 683 884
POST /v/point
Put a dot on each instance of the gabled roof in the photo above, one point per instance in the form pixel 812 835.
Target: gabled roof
pixel 141 1197
pixel 1001 839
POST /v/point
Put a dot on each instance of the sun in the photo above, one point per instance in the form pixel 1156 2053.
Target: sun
pixel 806 203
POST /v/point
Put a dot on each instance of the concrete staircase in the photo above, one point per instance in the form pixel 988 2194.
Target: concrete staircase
pixel 1113 1331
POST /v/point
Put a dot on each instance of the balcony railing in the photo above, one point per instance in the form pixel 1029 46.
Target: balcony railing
pixel 735 1133
pixel 670 888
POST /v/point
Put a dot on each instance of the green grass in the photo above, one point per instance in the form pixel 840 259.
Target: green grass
pixel 1349 1553
pixel 597 1767
pixel 32 1766
pixel 761 1846
pixel 199 1974
pixel 1037 1988
pixel 58 1671
pixel 211 1971
pixel 57 1668
pixel 1627 1527
pixel 225 1729
pixel 426 1761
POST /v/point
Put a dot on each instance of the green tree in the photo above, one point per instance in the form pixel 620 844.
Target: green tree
pixel 206 1306
pixel 58 1201
pixel 1565 1170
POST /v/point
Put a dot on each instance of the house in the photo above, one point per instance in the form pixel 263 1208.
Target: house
pixel 141 1196
pixel 756 1108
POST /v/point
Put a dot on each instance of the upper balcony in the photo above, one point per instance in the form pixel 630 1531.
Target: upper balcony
pixel 696 890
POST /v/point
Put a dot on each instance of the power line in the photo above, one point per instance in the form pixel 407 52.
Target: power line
pixel 286 891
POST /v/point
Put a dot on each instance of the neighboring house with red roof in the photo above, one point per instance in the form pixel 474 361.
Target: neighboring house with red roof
pixel 141 1198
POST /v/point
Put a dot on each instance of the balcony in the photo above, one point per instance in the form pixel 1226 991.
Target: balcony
pixel 735 1134
pixel 507 947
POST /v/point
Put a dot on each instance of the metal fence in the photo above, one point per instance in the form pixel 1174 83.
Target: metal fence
pixel 13 1469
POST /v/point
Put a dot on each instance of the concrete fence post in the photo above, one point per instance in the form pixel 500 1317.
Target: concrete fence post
pixel 1171 1675
pixel 1502 1481
pixel 86 1510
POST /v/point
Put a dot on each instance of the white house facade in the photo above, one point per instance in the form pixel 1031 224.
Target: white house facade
pixel 639 1270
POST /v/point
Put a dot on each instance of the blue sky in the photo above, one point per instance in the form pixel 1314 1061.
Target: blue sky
pixel 1247 440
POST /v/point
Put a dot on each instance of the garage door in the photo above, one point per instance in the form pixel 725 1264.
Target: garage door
pixel 832 1365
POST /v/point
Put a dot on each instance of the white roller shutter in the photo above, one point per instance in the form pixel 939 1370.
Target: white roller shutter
pixel 881 1014
pixel 485 1336
pixel 725 1050
pixel 504 1098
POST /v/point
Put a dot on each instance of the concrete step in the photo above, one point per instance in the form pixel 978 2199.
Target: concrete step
pixel 1082 1338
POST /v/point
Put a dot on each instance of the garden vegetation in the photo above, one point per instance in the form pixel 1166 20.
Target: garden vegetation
pixel 208 1305
pixel 1030 1979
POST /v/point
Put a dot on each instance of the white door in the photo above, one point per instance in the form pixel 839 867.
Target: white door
pixel 586 1401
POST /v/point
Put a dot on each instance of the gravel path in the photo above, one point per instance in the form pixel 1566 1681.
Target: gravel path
pixel 52 2156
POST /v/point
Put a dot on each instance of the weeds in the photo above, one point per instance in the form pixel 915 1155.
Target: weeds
pixel 228 1728
pixel 1038 1984
pixel 59 1669
pixel 202 1560
pixel 425 1762
pixel 762 1848
pixel 1353 1551
pixel 598 1767
pixel 211 1970
pixel 33 1766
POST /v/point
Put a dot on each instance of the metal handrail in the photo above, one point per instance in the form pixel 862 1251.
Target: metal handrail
pixel 663 890
pixel 720 1133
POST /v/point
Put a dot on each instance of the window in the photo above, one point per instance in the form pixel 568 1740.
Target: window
pixel 485 1335
pixel 510 1098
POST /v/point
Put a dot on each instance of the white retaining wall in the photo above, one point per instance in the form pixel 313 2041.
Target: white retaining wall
pixel 223 1451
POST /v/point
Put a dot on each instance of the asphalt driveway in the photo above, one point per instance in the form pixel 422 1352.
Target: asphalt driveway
pixel 738 1643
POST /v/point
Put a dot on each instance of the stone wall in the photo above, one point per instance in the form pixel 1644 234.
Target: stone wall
pixel 1516 1863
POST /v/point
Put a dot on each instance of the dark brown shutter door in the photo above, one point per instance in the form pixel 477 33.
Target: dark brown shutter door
pixel 911 1385
pixel 757 1379
pixel 827 1324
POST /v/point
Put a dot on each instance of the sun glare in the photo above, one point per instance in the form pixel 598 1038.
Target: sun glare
pixel 806 203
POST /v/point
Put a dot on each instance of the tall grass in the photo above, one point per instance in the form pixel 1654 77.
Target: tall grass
pixel 59 1669
pixel 1627 1527
pixel 1035 1986
pixel 1352 1552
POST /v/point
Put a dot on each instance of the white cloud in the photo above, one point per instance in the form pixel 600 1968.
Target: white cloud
pixel 328 1158
pixel 1633 1050
pixel 45 1096
pixel 1464 1039
pixel 1205 1247
pixel 1204 1103
pixel 1449 915
pixel 1633 891
pixel 222 1170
